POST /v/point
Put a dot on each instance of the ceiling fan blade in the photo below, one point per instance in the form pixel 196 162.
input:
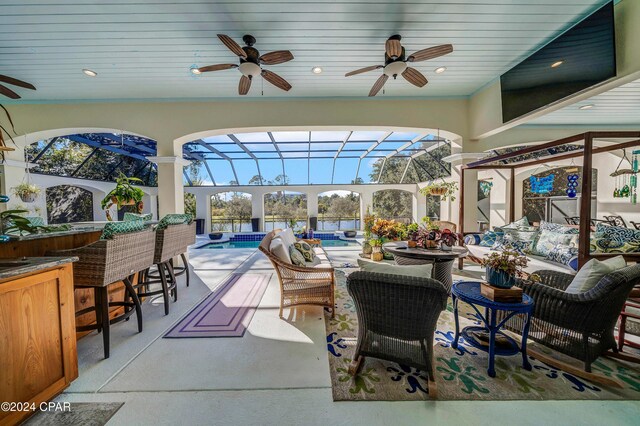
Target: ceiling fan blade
pixel 8 92
pixel 232 45
pixel 244 85
pixel 430 53
pixel 218 67
pixel 276 80
pixel 277 57
pixel 361 70
pixel 378 84
pixel 393 48
pixel 16 82
pixel 414 77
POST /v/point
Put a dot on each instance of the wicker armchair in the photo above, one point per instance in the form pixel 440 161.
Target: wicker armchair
pixel 169 242
pixel 106 262
pixel 301 285
pixel 578 325
pixel 397 318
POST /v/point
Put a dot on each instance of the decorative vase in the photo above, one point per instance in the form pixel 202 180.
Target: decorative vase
pixel 432 244
pixel 366 248
pixel 445 247
pixel 376 249
pixel 350 234
pixel 28 197
pixel 377 256
pixel 412 244
pixel 500 279
pixel 215 235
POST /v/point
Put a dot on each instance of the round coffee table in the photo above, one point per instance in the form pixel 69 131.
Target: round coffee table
pixel 442 259
pixel 469 292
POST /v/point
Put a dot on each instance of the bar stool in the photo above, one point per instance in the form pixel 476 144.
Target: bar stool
pixel 170 242
pixel 107 262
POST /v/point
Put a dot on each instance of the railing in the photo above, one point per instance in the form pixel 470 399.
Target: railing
pixel 231 224
pixel 334 223
pixel 275 222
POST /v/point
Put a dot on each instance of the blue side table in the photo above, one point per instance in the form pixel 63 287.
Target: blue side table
pixel 469 292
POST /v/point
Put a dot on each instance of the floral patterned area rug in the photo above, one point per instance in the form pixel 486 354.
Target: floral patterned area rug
pixel 461 374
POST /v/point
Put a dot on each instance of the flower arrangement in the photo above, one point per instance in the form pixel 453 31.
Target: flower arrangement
pixel 26 191
pixel 445 190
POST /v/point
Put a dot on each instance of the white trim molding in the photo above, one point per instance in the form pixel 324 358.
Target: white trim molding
pixel 169 160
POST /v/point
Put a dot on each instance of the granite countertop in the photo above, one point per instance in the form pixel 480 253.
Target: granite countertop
pixel 72 231
pixel 10 268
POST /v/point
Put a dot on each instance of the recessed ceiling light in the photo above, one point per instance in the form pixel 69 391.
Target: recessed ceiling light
pixel 556 64
pixel 588 106
pixel 316 70
pixel 440 70
pixel 89 72
pixel 195 70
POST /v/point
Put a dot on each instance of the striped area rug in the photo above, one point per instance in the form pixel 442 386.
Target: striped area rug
pixel 226 312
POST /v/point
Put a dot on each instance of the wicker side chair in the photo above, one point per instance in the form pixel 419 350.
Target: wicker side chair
pixel 397 317
pixel 301 285
pixel 578 325
pixel 170 242
pixel 107 262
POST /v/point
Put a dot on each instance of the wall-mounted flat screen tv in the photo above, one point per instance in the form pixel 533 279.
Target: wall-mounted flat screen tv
pixel 581 57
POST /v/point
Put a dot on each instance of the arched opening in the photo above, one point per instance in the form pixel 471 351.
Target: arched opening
pixel 231 211
pixel 285 209
pixel 338 210
pixel 68 203
pixel 393 204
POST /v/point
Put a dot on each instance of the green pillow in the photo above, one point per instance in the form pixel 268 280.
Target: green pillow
pixel 296 257
pixel 115 228
pixel 135 216
pixel 174 219
pixel 306 250
pixel 421 271
pixel 590 274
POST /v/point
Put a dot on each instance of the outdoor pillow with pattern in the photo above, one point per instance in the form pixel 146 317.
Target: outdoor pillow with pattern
pixel 520 246
pixel 526 236
pixel 520 223
pixel 305 249
pixel 35 220
pixel 565 255
pixel 621 240
pixel 135 216
pixel 174 219
pixel 115 228
pixel 296 257
pixel 490 238
pixel 557 228
pixel 549 239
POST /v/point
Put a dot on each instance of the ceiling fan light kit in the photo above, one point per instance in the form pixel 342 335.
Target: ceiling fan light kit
pixel 396 63
pixel 251 62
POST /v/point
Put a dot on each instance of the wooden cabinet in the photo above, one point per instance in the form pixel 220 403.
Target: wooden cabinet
pixel 38 357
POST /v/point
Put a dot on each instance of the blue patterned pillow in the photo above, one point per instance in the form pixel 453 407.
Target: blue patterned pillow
pixel 621 240
pixel 557 228
pixel 472 239
pixel 504 244
pixel 490 238
pixel 564 255
pixel 520 223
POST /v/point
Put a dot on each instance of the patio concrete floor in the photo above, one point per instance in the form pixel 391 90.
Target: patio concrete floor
pixel 277 373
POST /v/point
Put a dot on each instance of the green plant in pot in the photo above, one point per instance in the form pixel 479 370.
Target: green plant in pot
pixel 124 194
pixel 445 190
pixel 27 192
pixel 503 266
pixel 369 220
pixel 376 246
pixel 13 222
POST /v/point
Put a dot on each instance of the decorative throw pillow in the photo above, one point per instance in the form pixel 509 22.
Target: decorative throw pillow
pixel 472 239
pixel 421 271
pixel 35 220
pixel 623 240
pixel 549 239
pixel 278 249
pixel 590 274
pixel 557 228
pixel 296 257
pixel 306 250
pixel 507 244
pixel 135 216
pixel 115 228
pixel 490 238
pixel 522 235
pixel 174 219
pixel 520 223
pixel 287 236
pixel 565 255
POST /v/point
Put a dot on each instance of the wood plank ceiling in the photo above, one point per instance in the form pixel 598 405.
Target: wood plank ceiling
pixel 143 49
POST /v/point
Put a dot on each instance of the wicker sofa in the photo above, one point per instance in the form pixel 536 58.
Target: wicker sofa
pixel 302 285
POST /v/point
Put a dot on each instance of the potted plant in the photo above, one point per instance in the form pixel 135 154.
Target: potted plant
pixel 447 239
pixel 376 246
pixel 350 233
pixel 444 190
pixel 502 267
pixel 412 235
pixel 124 194
pixel 428 238
pixel 217 231
pixel 369 220
pixel 27 192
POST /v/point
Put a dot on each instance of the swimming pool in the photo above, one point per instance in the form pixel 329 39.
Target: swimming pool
pixel 255 244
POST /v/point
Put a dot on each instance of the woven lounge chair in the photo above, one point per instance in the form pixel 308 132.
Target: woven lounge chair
pixel 170 242
pixel 397 317
pixel 107 262
pixel 301 285
pixel 579 325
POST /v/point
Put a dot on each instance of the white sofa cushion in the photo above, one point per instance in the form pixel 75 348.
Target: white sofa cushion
pixel 591 273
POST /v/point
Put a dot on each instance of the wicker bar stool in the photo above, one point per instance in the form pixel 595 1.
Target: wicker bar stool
pixel 170 242
pixel 107 262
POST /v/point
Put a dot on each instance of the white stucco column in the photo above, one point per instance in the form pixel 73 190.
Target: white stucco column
pixel 366 200
pixel 257 207
pixel 499 197
pixel 470 192
pixel 419 206
pixel 203 210
pixel 170 185
pixel 312 205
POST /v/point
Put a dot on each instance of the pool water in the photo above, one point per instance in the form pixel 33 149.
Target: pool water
pixel 255 244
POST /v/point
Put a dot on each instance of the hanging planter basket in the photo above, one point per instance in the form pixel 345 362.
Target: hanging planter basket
pixel 439 191
pixel 129 202
pixel 28 198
